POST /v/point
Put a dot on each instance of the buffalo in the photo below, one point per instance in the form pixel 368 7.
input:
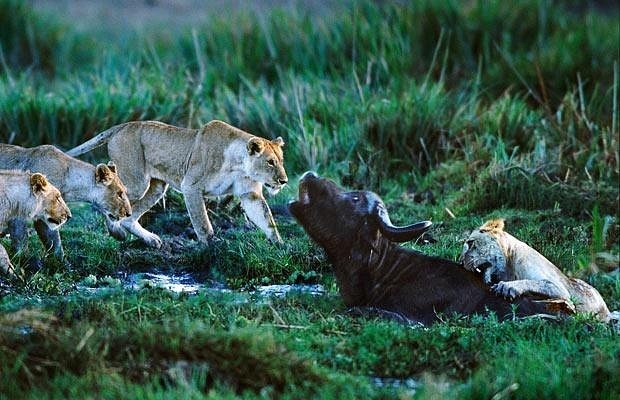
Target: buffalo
pixel 374 273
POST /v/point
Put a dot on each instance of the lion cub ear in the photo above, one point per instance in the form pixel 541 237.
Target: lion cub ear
pixel 38 183
pixel 112 166
pixel 493 225
pixel 255 146
pixel 104 175
pixel 278 141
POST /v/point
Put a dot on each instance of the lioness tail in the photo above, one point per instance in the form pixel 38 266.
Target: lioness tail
pixel 95 142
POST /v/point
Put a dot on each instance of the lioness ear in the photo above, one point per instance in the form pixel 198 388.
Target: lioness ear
pixel 493 225
pixel 104 175
pixel 278 141
pixel 38 183
pixel 112 166
pixel 255 146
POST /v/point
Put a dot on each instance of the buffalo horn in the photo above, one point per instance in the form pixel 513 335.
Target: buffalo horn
pixel 398 233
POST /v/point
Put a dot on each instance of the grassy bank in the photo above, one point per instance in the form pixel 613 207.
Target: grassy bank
pixel 451 111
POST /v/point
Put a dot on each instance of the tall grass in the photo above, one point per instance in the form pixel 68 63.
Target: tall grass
pixel 374 93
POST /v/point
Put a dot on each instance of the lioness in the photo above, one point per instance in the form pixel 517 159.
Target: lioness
pixel 77 181
pixel 514 269
pixel 215 160
pixel 28 196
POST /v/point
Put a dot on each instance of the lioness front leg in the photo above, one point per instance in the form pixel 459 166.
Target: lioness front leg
pixel 115 228
pixel 18 230
pixel 544 288
pixel 258 211
pixel 5 263
pixel 50 238
pixel 194 201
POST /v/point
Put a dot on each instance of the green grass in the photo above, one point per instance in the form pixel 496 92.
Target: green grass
pixel 452 111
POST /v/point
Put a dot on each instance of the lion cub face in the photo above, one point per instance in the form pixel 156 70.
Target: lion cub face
pixel 482 252
pixel 266 164
pixel 111 193
pixel 51 207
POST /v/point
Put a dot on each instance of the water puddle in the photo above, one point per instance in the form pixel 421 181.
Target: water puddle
pixel 188 283
pixel 409 385
pixel 283 290
pixel 179 283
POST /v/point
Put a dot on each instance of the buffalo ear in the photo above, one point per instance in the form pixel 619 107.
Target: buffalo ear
pixel 38 183
pixel 112 166
pixel 255 146
pixel 104 175
pixel 278 141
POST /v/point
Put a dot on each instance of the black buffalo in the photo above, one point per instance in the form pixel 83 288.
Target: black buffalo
pixel 374 273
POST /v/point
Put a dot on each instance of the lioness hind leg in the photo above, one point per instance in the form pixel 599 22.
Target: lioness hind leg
pixel 50 238
pixel 258 211
pixel 156 190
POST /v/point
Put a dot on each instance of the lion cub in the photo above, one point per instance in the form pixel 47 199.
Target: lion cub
pixel 515 269
pixel 28 196
pixel 77 181
pixel 217 159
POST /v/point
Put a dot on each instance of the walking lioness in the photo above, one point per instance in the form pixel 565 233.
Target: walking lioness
pixel 28 196
pixel 76 180
pixel 514 269
pixel 217 159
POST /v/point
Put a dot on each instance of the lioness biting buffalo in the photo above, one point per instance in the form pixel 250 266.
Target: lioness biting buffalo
pixel 515 269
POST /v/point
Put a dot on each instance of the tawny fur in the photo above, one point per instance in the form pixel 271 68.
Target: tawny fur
pixel 514 269
pixel 28 196
pixel 217 159
pixel 77 181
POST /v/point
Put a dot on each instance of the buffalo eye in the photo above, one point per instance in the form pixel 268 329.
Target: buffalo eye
pixel 355 199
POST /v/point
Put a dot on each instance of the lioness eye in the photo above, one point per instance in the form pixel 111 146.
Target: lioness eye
pixel 271 162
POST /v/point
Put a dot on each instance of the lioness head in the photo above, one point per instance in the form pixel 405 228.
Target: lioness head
pixel 483 253
pixel 110 193
pixel 51 207
pixel 267 163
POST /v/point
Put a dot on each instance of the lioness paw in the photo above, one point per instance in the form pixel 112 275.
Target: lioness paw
pixel 275 238
pixel 116 230
pixel 505 289
pixel 152 240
